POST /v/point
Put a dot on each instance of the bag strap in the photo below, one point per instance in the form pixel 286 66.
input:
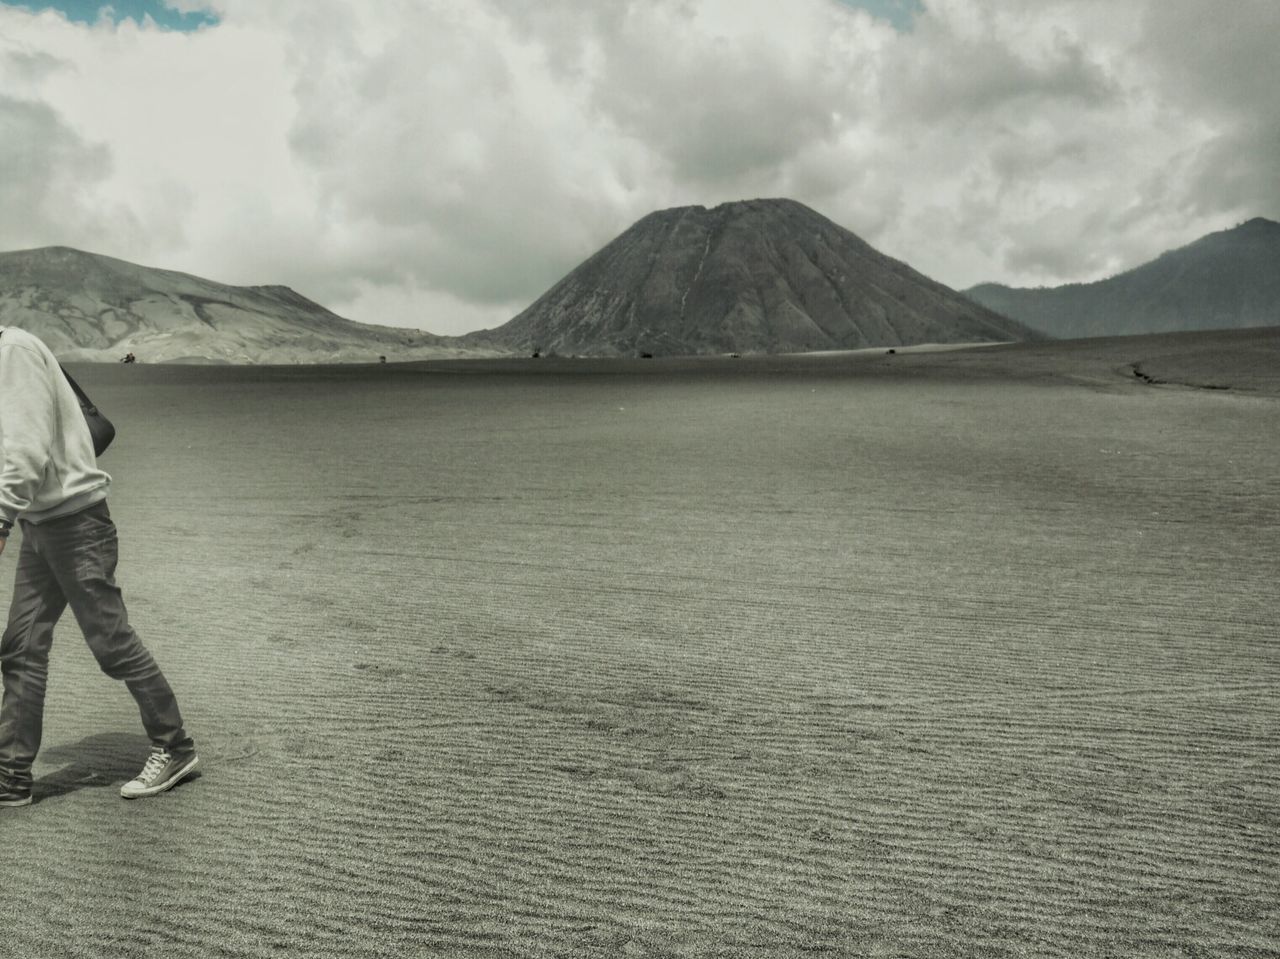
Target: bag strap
pixel 86 404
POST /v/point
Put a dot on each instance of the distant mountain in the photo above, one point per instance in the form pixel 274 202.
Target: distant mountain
pixel 764 276
pixel 91 307
pixel 1226 280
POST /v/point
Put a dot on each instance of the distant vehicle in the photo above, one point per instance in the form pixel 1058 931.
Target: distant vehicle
pixel 129 358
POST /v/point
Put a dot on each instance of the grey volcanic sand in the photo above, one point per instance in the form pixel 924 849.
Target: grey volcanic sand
pixel 937 654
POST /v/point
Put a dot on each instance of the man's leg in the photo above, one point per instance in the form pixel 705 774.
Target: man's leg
pixel 82 552
pixel 37 603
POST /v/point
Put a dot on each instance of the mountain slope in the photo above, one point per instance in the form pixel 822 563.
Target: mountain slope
pixel 92 307
pixel 1226 280
pixel 752 276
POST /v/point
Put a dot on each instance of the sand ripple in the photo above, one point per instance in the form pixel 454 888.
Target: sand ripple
pixel 590 666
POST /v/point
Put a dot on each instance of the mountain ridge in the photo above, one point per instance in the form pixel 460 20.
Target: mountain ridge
pixel 94 307
pixel 764 275
pixel 1227 279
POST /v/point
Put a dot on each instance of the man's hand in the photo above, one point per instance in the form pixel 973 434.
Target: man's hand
pixel 2 542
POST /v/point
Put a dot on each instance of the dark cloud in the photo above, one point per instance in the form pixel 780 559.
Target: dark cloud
pixel 1214 54
pixel 937 74
pixel 715 105
pixel 49 177
pixel 1220 64
pixel 1050 247
pixel 1239 172
pixel 32 66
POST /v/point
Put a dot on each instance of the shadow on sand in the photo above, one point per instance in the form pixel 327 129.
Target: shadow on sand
pixel 106 759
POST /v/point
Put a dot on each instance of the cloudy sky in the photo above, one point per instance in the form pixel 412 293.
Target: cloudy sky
pixel 440 163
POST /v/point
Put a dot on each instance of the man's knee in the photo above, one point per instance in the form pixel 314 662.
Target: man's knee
pixel 123 657
pixel 100 613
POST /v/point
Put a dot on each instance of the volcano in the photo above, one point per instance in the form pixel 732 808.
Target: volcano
pixel 758 276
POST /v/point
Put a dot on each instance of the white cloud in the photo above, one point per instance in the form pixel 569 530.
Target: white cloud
pixel 442 162
pixel 406 304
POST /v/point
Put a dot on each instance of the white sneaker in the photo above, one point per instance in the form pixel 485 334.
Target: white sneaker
pixel 163 770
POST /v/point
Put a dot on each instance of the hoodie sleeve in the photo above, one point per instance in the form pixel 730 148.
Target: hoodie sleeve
pixel 27 414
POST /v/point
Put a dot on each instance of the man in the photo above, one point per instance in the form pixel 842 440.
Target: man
pixel 51 484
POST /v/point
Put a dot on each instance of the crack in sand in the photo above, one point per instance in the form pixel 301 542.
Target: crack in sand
pixel 1153 381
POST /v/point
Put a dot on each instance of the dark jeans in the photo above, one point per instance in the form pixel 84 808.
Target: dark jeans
pixel 71 561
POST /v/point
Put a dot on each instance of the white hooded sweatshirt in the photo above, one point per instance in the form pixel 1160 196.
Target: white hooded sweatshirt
pixel 47 466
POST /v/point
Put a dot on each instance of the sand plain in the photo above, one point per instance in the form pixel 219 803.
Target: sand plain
pixel 939 654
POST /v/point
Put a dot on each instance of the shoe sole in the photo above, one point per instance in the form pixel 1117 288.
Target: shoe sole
pixel 161 787
pixel 16 802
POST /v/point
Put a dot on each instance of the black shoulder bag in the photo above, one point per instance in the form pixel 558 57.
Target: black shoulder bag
pixel 100 427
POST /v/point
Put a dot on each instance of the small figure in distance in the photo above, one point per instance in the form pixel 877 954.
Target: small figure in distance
pixel 382 359
pixel 129 358
pixel 50 483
